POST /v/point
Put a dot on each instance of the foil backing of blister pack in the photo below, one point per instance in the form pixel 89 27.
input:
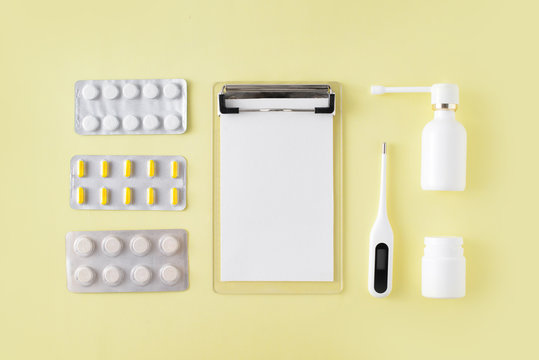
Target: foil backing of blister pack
pixel 127 261
pixel 123 107
pixel 120 182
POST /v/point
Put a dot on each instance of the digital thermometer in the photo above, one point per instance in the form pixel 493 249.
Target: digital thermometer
pixel 381 243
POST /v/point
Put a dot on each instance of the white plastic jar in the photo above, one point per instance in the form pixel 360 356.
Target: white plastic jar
pixel 443 270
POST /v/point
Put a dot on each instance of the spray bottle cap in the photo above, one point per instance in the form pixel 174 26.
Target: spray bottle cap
pixel 443 96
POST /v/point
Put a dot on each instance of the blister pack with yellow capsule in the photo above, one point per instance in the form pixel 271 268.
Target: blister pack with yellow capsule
pixel 120 182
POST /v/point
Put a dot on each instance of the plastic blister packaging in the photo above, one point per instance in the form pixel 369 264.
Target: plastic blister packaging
pixel 122 107
pixel 118 182
pixel 127 261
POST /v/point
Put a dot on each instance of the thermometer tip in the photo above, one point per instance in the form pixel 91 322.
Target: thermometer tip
pixel 384 148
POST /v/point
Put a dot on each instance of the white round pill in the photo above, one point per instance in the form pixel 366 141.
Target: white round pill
pixel 112 246
pixel 171 91
pixel 90 123
pixel 150 122
pixel 130 91
pixel 113 275
pixel 130 122
pixel 110 92
pixel 83 246
pixel 150 91
pixel 141 275
pixel 84 275
pixel 169 274
pixel 140 246
pixel 90 92
pixel 110 122
pixel 169 245
pixel 172 122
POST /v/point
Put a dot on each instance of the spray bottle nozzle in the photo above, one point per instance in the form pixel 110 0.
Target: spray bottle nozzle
pixel 441 94
pixel 379 90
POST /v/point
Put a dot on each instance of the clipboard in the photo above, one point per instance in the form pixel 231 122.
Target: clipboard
pixel 277 188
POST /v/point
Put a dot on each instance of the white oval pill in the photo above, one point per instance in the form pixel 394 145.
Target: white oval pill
pixel 171 91
pixel 111 92
pixel 130 91
pixel 150 122
pixel 110 122
pixel 140 246
pixel 169 274
pixel 112 246
pixel 90 92
pixel 84 275
pixel 169 245
pixel 130 122
pixel 83 246
pixel 113 275
pixel 150 91
pixel 172 122
pixel 141 275
pixel 90 123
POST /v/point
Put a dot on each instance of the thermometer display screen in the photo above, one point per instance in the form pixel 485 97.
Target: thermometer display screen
pixel 381 268
pixel 381 258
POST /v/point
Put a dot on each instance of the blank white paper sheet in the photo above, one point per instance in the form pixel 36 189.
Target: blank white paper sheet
pixel 276 192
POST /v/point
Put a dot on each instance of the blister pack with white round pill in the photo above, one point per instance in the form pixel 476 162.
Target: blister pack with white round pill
pixel 124 107
pixel 120 182
pixel 127 261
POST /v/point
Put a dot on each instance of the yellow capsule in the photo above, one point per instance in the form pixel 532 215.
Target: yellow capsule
pixel 151 168
pixel 151 196
pixel 104 196
pixel 80 195
pixel 80 168
pixel 174 169
pixel 127 168
pixel 174 198
pixel 104 168
pixel 127 196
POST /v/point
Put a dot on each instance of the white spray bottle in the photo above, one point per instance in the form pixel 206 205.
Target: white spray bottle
pixel 443 143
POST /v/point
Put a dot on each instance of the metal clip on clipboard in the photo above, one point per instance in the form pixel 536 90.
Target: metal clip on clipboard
pixel 284 91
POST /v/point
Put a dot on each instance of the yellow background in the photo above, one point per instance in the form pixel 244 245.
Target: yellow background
pixel 488 48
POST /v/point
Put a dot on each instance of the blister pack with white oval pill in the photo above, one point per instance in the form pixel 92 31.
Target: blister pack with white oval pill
pixel 127 261
pixel 129 107
pixel 121 182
